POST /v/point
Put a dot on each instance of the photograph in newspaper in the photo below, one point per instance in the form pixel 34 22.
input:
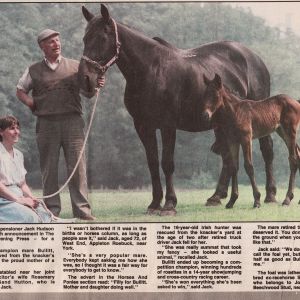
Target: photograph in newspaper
pixel 120 134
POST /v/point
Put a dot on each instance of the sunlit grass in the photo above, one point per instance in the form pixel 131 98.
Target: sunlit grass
pixel 131 206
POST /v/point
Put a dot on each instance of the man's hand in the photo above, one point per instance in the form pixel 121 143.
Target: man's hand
pixel 101 81
pixel 27 100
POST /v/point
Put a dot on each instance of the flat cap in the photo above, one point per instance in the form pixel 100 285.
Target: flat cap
pixel 45 34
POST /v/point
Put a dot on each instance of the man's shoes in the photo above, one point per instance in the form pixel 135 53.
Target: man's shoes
pixel 88 218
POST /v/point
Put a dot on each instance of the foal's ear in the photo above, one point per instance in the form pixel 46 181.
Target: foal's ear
pixel 105 13
pixel 217 81
pixel 88 16
pixel 206 80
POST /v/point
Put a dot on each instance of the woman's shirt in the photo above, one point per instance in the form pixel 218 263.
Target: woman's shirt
pixel 12 171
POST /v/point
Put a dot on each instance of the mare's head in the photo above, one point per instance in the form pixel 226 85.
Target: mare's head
pixel 101 48
pixel 213 96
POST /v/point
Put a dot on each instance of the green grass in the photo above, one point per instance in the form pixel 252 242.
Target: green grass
pixel 131 206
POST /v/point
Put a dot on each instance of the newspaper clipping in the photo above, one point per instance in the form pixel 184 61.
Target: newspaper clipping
pixel 244 251
pixel 177 257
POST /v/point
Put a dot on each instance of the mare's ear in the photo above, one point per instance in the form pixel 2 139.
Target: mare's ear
pixel 206 80
pixel 105 13
pixel 217 81
pixel 88 16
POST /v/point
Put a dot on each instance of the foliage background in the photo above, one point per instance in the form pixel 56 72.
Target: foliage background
pixel 115 155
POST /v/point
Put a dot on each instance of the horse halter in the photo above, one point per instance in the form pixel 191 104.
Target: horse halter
pixel 102 69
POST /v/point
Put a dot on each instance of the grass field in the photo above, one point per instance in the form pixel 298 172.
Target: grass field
pixel 130 206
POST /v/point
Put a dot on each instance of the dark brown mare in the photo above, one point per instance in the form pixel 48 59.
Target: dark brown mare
pixel 245 120
pixel 164 90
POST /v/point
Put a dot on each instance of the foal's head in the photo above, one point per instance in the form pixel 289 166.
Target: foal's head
pixel 213 97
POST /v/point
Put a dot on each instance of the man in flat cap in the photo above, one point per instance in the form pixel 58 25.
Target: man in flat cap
pixel 56 102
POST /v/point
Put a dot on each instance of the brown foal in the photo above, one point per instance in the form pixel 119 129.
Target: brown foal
pixel 245 120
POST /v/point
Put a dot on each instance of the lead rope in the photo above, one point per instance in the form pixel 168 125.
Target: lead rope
pixel 78 161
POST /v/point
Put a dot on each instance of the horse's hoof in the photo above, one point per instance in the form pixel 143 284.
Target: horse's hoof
pixel 229 205
pixel 215 199
pixel 153 211
pixel 168 212
pixel 270 199
pixel 286 202
pixel 213 202
pixel 256 205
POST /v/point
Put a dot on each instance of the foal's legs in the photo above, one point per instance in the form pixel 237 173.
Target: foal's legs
pixel 148 138
pixel 289 137
pixel 266 147
pixel 168 145
pixel 234 151
pixel 223 183
pixel 224 178
pixel 247 151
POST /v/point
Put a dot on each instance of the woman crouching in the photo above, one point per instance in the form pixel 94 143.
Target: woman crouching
pixel 17 204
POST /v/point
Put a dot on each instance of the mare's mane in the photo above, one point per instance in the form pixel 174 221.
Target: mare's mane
pixel 164 43
pixel 185 53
